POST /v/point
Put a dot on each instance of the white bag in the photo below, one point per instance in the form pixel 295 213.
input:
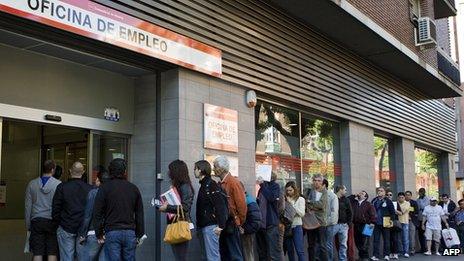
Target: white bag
pixel 26 245
pixel 450 237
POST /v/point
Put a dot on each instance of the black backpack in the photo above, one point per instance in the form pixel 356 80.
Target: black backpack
pixel 223 196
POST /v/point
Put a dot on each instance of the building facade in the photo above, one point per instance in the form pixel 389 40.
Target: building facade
pixel 351 89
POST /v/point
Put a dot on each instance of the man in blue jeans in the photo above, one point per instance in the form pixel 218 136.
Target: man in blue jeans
pixel 118 214
pixel 384 209
pixel 90 248
pixel 68 211
pixel 345 217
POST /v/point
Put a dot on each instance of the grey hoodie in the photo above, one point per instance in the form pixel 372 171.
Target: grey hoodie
pixel 39 199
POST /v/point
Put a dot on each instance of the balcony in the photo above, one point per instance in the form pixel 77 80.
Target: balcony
pixel 448 67
pixel 345 24
pixel 444 8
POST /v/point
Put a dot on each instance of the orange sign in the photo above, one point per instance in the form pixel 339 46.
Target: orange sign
pixel 104 24
pixel 220 128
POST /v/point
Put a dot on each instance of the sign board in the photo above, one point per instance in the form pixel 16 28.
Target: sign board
pixel 220 128
pixel 101 23
pixel 263 171
pixel 111 114
pixel 233 161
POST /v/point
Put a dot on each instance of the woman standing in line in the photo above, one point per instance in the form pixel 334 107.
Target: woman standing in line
pixel 295 242
pixel 180 180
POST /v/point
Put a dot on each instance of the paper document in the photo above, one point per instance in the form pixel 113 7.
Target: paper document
pixel 263 171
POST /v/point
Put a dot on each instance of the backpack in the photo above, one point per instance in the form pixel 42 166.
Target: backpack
pixel 223 196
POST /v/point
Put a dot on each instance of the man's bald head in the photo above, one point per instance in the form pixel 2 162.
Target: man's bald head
pixel 77 170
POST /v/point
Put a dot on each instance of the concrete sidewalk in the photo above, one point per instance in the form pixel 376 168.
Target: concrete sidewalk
pixel 423 257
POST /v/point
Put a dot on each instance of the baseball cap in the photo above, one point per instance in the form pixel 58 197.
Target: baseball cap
pixel 433 199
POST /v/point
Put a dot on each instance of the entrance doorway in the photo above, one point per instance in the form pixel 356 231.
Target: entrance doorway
pixel 24 148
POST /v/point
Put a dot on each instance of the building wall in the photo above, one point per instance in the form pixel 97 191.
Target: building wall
pixel 183 94
pixel 143 156
pixel 265 49
pixel 393 16
pixel 47 83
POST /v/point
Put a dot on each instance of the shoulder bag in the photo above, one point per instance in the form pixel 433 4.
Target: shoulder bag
pixel 178 231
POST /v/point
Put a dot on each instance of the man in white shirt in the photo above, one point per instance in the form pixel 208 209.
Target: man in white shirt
pixel 434 215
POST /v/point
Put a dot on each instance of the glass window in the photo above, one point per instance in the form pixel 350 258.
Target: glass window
pixel 295 145
pixel 426 164
pixel 383 175
pixel 105 148
pixel 320 139
pixel 278 141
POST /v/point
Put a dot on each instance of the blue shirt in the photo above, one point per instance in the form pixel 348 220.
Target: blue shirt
pixel 44 180
pixel 459 217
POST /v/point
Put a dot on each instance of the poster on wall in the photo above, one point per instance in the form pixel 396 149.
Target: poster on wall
pixel 220 128
pixel 233 161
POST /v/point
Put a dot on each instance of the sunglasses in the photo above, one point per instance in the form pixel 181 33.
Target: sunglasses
pixel 390 195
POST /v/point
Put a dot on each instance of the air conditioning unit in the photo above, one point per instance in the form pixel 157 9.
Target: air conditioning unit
pixel 426 32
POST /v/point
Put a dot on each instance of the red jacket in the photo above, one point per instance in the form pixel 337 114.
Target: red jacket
pixel 237 203
pixel 364 213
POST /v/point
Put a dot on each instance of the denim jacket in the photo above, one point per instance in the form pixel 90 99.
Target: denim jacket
pixel 86 225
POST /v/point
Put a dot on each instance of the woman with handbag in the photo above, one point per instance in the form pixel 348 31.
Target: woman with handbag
pixel 294 211
pixel 180 180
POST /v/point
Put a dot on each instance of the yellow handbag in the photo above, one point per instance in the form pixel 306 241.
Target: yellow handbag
pixel 179 230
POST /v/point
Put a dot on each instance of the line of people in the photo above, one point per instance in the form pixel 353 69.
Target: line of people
pixel 75 221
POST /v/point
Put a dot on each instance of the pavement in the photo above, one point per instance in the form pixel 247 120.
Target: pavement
pixel 423 257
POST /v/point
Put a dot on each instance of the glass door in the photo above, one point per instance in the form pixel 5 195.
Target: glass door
pixel 104 148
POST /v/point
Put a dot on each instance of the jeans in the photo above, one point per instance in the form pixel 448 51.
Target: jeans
pixel 211 243
pixel 90 250
pixel 180 251
pixel 295 243
pixel 67 244
pixel 395 241
pixel 120 245
pixel 317 236
pixel 380 231
pixel 230 246
pixel 422 240
pixel 329 237
pixel 412 238
pixel 405 238
pixel 341 230
pixel 362 241
pixel 268 243
pixel 248 243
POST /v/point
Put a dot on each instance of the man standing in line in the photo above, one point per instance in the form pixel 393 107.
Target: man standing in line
pixel 385 211
pixel 211 213
pixel 317 201
pixel 434 215
pixel 413 221
pixel 422 202
pixel 332 219
pixel 38 214
pixel 229 241
pixel 118 214
pixel 268 237
pixel 363 214
pixel 345 217
pixel 68 210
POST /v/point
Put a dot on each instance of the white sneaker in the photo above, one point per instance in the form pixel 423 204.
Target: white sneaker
pixel 391 256
pixel 406 255
pixel 374 258
pixel 428 253
pixel 386 258
pixel 395 256
pixel 437 254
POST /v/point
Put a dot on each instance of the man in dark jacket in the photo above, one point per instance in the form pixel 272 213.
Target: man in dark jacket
pixel 268 235
pixel 68 210
pixel 413 221
pixel 118 212
pixel 345 217
pixel 363 214
pixel 212 211
pixel 448 207
pixel 250 227
pixel 385 211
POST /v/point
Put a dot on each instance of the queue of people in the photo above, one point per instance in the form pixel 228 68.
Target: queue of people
pixel 75 221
